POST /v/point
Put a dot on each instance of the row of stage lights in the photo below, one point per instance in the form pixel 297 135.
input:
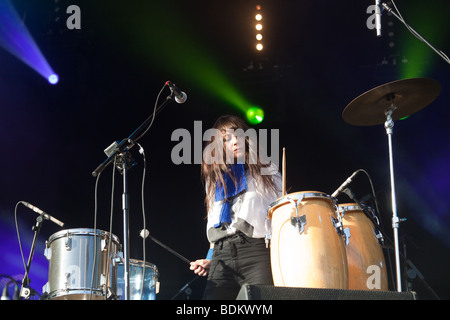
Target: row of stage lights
pixel 258 28
pixel 255 115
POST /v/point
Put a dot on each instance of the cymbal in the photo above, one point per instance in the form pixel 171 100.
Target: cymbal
pixel 408 95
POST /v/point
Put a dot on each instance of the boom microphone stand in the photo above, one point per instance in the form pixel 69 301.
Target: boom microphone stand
pixel 25 291
pixel 121 152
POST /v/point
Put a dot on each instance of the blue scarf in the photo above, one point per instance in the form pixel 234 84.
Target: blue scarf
pixel 232 190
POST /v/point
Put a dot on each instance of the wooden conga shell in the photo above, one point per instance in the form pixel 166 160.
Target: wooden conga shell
pixel 365 259
pixel 314 258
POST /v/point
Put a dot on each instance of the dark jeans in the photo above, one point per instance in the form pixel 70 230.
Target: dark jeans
pixel 237 260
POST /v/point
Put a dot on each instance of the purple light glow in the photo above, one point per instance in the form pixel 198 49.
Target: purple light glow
pixel 11 263
pixel 53 79
pixel 17 40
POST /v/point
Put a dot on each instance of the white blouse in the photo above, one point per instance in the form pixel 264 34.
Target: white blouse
pixel 248 209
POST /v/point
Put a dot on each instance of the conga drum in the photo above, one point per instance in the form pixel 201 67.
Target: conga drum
pixel 306 247
pixel 365 259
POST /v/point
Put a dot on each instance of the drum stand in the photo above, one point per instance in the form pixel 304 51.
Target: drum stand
pixel 389 125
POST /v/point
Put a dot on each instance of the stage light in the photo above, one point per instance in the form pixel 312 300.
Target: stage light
pixel 197 66
pixel 259 26
pixel 53 79
pixel 255 115
pixel 17 40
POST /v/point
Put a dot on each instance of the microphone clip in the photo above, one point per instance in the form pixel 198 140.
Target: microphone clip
pixel 176 94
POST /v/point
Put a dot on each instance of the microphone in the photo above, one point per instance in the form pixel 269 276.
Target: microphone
pixel 378 17
pixel 16 294
pixel 180 96
pixel 5 294
pixel 42 213
pixel 344 185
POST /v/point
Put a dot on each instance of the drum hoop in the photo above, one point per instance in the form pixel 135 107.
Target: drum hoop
pixel 351 207
pixel 73 291
pixel 302 195
pixel 140 263
pixel 82 232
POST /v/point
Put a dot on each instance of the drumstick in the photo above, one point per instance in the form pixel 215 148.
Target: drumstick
pixel 283 173
pixel 146 234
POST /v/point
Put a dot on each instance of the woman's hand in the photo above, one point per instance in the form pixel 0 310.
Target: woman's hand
pixel 201 267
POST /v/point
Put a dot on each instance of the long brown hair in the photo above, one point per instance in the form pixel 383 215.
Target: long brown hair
pixel 212 172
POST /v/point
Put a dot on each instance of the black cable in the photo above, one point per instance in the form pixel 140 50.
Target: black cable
pixel 110 228
pixel 414 32
pixel 141 151
pixel 95 232
pixel 155 112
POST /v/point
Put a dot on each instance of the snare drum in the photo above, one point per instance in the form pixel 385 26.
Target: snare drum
pixel 307 249
pixel 139 290
pixel 80 263
pixel 366 264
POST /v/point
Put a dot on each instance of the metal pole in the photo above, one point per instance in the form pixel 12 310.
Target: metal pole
pixel 126 245
pixel 389 125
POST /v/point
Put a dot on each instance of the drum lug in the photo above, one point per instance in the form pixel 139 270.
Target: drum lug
pixel 46 288
pixel 104 244
pixel 48 253
pixel 345 233
pixel 379 236
pixel 346 236
pixel 66 284
pixel 68 242
pixel 102 280
pixel 268 226
pixel 267 241
pixel 299 223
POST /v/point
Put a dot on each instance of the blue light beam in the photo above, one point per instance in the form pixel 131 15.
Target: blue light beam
pixel 17 40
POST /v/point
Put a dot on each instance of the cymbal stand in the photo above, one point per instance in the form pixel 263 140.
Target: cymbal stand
pixel 389 126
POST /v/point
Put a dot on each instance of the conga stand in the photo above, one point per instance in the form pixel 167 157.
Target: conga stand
pixel 389 126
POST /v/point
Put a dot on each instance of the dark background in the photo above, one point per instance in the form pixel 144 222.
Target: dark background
pixel 319 56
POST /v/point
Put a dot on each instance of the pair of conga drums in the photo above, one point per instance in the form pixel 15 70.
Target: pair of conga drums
pixel 316 243
pixel 85 264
